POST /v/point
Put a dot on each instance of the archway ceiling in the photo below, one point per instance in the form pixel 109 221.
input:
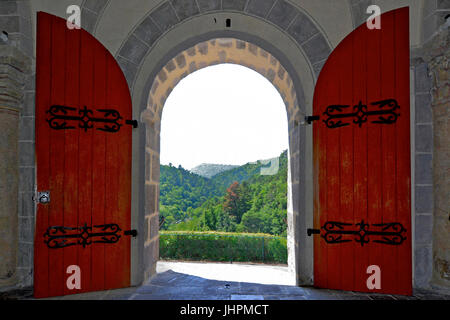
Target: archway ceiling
pixel 111 21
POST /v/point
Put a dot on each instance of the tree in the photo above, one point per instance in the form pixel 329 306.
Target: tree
pixel 237 201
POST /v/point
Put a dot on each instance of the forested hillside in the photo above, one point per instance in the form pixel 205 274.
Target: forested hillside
pixel 237 200
pixel 209 170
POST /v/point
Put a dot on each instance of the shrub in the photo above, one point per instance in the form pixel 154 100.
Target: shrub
pixel 222 246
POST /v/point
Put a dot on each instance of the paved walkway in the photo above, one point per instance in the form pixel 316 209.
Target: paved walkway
pixel 225 281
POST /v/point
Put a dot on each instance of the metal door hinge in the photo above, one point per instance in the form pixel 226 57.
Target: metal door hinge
pixel 310 119
pixel 42 197
pixel 132 233
pixel 133 123
pixel 312 231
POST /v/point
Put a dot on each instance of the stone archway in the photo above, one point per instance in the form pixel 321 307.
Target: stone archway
pixel 201 55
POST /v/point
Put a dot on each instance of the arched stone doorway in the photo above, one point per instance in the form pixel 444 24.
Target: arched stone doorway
pixel 301 34
pixel 201 55
pixel 283 35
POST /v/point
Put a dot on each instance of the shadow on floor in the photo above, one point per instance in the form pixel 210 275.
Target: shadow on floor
pixel 171 285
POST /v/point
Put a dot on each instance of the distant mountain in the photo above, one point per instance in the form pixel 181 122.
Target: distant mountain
pixel 208 170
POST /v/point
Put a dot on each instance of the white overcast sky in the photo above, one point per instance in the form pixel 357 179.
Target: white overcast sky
pixel 223 114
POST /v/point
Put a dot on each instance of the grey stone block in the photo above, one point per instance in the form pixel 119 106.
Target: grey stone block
pixel 359 11
pixel 150 198
pixel 423 265
pixel 302 28
pixel 26 179
pixel 134 50
pixel 170 66
pixel 147 166
pixel 271 75
pixel 10 24
pixel 164 16
pixel 423 108
pixel 424 138
pixel 26 153
pixel 238 5
pixel 25 276
pixel 260 7
pixel 240 44
pixel 95 5
pixel 88 20
pixel 424 229
pixel 30 83
pixel 282 14
pixel 155 168
pixel 443 4
pixel 317 67
pixel 316 49
pixel 26 229
pixel 129 69
pixel 423 169
pixel 148 31
pixel 154 226
pixel 429 7
pixel 28 104
pixel 181 60
pixel 423 199
pixel 209 5
pixel 162 76
pixel 25 26
pixel 25 255
pixel 253 49
pixel 8 7
pixel 185 8
pixel 422 79
pixel 24 9
pixel 26 128
pixel 26 205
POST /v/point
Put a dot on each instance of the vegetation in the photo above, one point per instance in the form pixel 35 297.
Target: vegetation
pixel 208 170
pixel 219 246
pixel 237 200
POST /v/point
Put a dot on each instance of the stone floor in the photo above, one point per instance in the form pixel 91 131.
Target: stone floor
pixel 224 281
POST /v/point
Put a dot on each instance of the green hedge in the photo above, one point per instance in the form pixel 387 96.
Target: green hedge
pixel 222 246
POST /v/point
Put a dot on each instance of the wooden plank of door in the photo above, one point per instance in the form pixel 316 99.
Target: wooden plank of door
pixel 99 173
pixel 43 89
pixel 57 142
pixel 346 162
pixel 124 177
pixel 333 183
pixel 404 257
pixel 360 142
pixel 375 144
pixel 85 167
pixel 112 214
pixel 320 192
pixel 72 99
pixel 388 262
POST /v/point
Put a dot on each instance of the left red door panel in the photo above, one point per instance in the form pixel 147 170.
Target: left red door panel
pixel 83 163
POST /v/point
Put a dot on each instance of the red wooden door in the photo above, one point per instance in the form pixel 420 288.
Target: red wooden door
pixel 362 207
pixel 83 158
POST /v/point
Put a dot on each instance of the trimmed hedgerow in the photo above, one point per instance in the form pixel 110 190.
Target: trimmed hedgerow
pixel 222 246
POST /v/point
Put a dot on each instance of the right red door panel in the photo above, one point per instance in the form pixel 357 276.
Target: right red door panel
pixel 362 196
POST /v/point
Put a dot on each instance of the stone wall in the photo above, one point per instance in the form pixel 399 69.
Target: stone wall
pixel 15 19
pixel 14 69
pixel 204 54
pixel 437 53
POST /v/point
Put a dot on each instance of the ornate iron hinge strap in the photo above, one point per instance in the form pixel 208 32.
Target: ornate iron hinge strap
pixel 386 114
pixel 387 233
pixel 62 118
pixel 59 237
